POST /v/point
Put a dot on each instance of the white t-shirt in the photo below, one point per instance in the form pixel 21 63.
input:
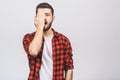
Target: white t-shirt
pixel 46 70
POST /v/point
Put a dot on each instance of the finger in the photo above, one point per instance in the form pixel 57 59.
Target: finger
pixel 35 20
pixel 37 17
pixel 40 18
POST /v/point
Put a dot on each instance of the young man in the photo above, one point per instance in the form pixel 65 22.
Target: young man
pixel 49 52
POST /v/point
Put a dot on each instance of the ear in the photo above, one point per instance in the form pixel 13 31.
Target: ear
pixel 53 18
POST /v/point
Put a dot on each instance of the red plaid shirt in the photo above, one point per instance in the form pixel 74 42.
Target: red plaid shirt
pixel 62 56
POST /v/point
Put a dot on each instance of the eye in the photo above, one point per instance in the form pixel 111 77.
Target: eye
pixel 47 14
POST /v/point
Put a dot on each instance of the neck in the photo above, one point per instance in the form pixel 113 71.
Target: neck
pixel 48 33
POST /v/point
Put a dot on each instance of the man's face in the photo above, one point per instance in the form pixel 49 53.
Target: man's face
pixel 48 17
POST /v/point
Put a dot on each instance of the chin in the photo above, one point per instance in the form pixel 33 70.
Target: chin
pixel 46 29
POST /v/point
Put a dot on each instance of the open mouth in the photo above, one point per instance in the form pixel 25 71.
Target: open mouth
pixel 45 22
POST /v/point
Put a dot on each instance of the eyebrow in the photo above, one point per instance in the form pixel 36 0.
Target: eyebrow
pixel 47 13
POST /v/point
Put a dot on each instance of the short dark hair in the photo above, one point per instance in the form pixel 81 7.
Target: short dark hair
pixel 45 5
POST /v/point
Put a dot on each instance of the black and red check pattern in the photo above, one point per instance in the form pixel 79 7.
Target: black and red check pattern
pixel 62 56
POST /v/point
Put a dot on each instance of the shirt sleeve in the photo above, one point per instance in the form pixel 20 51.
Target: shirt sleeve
pixel 26 42
pixel 68 56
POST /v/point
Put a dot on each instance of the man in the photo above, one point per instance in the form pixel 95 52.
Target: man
pixel 49 52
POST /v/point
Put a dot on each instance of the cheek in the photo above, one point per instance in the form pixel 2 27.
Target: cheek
pixel 49 19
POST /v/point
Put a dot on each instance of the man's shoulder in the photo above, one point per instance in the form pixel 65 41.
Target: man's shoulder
pixel 29 35
pixel 62 36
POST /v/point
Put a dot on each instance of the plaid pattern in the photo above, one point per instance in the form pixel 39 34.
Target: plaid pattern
pixel 62 56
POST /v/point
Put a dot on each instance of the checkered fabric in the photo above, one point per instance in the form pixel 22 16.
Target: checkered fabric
pixel 61 52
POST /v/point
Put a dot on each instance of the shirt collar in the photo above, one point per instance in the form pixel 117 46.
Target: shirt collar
pixel 55 33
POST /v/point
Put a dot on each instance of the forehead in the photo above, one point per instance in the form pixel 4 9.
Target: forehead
pixel 45 10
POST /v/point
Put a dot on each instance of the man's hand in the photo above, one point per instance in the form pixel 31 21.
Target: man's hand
pixel 39 21
pixel 69 74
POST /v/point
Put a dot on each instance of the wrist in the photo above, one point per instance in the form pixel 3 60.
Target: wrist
pixel 39 29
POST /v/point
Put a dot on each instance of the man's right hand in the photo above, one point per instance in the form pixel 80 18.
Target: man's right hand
pixel 39 21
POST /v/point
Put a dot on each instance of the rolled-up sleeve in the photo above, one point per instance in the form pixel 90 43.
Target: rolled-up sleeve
pixel 68 56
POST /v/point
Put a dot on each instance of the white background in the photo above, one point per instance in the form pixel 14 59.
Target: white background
pixel 93 27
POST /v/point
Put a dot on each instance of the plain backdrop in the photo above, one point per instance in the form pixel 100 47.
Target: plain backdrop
pixel 93 27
